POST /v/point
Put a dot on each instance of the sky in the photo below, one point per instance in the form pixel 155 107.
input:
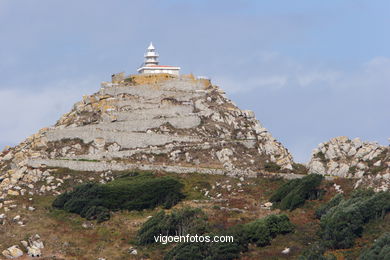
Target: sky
pixel 310 70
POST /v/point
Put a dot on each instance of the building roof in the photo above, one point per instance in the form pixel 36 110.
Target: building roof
pixel 151 47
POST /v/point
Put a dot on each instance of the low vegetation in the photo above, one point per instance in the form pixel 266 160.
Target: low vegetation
pixel 299 168
pixel 178 223
pixel 295 192
pixel 272 167
pixel 343 222
pixel 130 192
pixel 259 232
pixel 380 250
pixel 323 209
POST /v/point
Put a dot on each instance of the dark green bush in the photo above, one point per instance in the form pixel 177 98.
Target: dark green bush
pixel 343 223
pixel 132 192
pixel 188 251
pixel 323 209
pixel 299 168
pixel 278 224
pixel 259 232
pixel 271 167
pixel 295 192
pixel 204 251
pixel 178 223
pixel 315 252
pixel 380 250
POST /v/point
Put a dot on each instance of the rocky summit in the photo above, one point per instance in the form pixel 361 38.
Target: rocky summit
pixel 147 122
pixel 368 162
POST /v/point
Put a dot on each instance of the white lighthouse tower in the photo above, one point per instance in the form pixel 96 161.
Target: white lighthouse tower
pixel 151 56
pixel 151 66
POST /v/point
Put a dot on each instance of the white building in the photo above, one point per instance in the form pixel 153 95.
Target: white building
pixel 150 66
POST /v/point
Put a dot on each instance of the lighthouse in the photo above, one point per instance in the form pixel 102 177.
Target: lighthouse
pixel 151 64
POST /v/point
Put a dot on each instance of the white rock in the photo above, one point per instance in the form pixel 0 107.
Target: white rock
pixel 378 163
pixel 317 167
pixel 12 252
pixel 35 241
pixel 34 251
pixel 133 251
pixel 343 170
pixel 286 251
pixel 24 243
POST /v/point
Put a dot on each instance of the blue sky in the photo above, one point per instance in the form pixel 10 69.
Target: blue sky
pixel 311 70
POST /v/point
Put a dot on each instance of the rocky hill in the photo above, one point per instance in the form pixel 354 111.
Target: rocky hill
pixel 368 162
pixel 157 122
pixel 139 132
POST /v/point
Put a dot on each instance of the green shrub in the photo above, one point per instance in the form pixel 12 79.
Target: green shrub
pixel 295 192
pixel 178 223
pixel 271 167
pixel 278 224
pixel 188 251
pixel 321 156
pixel 204 251
pixel 315 252
pixel 323 209
pixel 259 232
pixel 343 223
pixel 130 192
pixel 299 168
pixel 380 250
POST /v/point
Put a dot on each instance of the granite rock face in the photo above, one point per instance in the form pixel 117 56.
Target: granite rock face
pixel 147 122
pixel 368 162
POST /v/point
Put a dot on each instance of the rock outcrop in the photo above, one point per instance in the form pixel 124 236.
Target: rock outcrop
pixel 33 246
pixel 368 162
pixel 155 122
pixel 12 252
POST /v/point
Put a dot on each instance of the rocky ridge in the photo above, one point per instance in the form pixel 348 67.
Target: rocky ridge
pixel 156 122
pixel 368 162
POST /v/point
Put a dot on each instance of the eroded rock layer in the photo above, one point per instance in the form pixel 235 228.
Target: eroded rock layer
pixel 148 122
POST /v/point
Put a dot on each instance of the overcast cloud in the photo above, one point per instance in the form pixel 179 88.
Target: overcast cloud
pixel 310 71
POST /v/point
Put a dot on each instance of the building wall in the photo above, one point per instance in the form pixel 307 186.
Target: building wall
pixel 156 71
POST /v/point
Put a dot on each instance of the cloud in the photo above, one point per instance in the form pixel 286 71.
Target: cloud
pixel 304 104
pixel 27 111
pixel 275 71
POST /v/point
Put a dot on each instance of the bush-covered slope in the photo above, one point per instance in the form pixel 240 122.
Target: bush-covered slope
pixel 178 223
pixel 380 250
pixel 295 192
pixel 344 222
pixel 259 232
pixel 132 192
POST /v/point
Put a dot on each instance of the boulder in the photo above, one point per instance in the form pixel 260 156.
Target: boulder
pixel 34 251
pixel 35 241
pixel 12 252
